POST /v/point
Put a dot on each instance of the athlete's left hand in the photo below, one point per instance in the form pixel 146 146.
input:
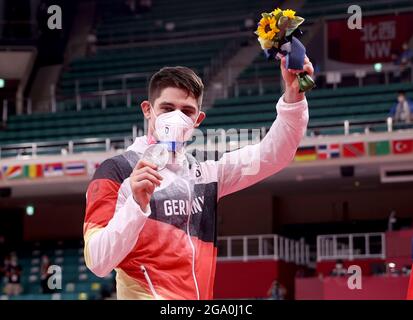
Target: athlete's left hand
pixel 292 87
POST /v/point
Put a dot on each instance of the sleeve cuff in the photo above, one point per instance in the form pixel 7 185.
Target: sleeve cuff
pixel 135 207
pixel 293 112
pixel 301 103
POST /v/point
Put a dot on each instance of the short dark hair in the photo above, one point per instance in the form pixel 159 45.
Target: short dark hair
pixel 402 93
pixel 176 77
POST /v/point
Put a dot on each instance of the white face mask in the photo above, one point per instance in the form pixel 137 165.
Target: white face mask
pixel 173 128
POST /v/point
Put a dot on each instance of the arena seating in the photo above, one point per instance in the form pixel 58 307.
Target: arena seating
pixel 260 77
pixel 252 98
pixel 328 109
pixel 70 125
pixel 111 84
pixel 178 19
pixel 109 63
pixel 206 18
pixel 78 283
pixel 189 19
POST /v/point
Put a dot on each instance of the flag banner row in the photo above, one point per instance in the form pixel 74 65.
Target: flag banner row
pixel 48 170
pixel 354 150
pixel 303 154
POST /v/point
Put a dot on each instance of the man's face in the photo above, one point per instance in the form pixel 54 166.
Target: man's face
pixel 169 100
pixel 400 98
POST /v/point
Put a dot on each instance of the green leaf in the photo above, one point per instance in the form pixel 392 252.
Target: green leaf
pixel 297 21
pixel 305 82
pixel 266 15
pixel 290 31
pixel 282 23
pixel 293 24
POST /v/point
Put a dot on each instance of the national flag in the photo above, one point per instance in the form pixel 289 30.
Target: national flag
pixel 306 154
pixel 74 168
pixel 13 172
pixel 328 151
pixel 352 150
pixel 379 148
pixel 93 165
pixel 33 171
pixel 402 146
pixel 54 169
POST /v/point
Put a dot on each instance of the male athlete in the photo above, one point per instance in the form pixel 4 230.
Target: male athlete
pixel 157 226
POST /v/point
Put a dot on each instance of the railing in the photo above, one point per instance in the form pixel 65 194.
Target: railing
pixel 104 97
pixel 351 246
pixel 209 140
pixel 102 94
pixel 122 78
pixel 333 79
pixel 384 71
pixel 263 247
pixel 29 150
pixel 230 141
pixel 363 126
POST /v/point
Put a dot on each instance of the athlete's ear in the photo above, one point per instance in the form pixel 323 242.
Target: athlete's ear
pixel 146 109
pixel 200 118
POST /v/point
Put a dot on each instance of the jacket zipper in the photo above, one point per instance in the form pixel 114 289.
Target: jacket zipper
pixel 148 280
pixel 190 240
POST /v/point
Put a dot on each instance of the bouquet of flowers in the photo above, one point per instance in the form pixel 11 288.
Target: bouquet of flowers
pixel 277 34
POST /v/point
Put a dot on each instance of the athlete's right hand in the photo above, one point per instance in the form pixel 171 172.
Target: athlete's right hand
pixel 143 181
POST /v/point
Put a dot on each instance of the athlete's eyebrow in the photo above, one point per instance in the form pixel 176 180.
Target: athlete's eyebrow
pixel 170 104
pixel 189 108
pixel 166 104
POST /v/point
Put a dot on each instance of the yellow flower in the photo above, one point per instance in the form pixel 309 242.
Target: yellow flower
pixel 267 28
pixel 289 13
pixel 265 44
pixel 276 11
pixel 273 26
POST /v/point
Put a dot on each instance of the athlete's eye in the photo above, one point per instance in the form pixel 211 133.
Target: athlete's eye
pixel 188 113
pixel 167 109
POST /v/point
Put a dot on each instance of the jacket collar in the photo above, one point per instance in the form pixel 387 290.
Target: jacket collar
pixel 141 143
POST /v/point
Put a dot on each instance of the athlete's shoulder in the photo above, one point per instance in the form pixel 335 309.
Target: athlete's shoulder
pixel 205 165
pixel 117 168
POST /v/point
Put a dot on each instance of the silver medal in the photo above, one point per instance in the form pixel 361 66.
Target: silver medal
pixel 157 154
